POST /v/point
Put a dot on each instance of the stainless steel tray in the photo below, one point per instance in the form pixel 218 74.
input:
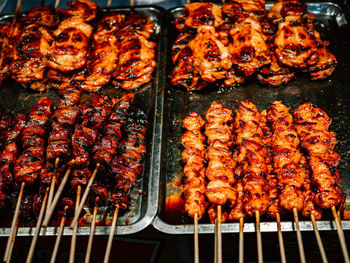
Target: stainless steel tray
pixel 15 98
pixel 332 95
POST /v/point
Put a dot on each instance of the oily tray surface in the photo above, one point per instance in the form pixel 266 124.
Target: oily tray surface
pixel 332 95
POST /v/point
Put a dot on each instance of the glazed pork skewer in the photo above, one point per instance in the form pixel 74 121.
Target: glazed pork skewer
pixel 105 151
pixel 312 125
pixel 59 142
pixel 252 167
pixel 194 170
pixel 274 209
pixel 291 172
pixel 127 166
pixel 221 164
pixel 30 162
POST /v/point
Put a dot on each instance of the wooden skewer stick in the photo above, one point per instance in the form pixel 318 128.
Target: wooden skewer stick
pixel 300 240
pixel 258 237
pixel 59 235
pixel 57 3
pixel 92 232
pixel 12 245
pixel 319 240
pixel 109 3
pixel 37 228
pixel 280 239
pixel 85 195
pixel 75 228
pixel 196 243
pixel 241 240
pixel 216 241
pixel 219 235
pixel 12 235
pixel 341 235
pixel 53 183
pixel 51 209
pixel 111 234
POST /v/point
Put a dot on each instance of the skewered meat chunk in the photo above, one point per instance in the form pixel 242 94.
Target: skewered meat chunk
pixel 128 165
pixel 193 156
pixel 80 177
pixel 248 49
pixel 82 141
pixel 45 16
pixel 112 131
pixel 4 33
pixel 251 158
pixel 69 96
pixel 295 47
pixel 312 126
pixel 203 14
pixel 83 9
pixel 30 162
pixel 211 58
pixel 109 24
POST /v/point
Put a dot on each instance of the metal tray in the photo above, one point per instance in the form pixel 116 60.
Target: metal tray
pixel 15 98
pixel 332 95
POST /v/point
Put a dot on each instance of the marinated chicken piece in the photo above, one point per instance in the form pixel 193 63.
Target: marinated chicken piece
pixel 84 9
pixel 239 10
pixel 310 208
pixel 326 63
pixel 211 58
pixel 295 47
pixel 237 212
pixel 4 32
pixel 136 23
pixel 28 62
pixel 109 24
pixel 220 192
pixel 45 16
pixel 101 63
pixel 203 14
pixel 135 62
pixel 274 74
pixel 284 8
pixel 179 45
pixel 248 49
pixel 69 50
pixel 184 72
pixel 212 212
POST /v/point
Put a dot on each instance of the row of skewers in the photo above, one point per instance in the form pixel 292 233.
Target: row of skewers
pixel 242 39
pixel 249 164
pixel 44 150
pixel 50 47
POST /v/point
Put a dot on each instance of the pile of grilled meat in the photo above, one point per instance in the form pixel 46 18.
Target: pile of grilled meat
pixel 50 47
pixel 242 39
pixel 269 162
pixel 77 136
